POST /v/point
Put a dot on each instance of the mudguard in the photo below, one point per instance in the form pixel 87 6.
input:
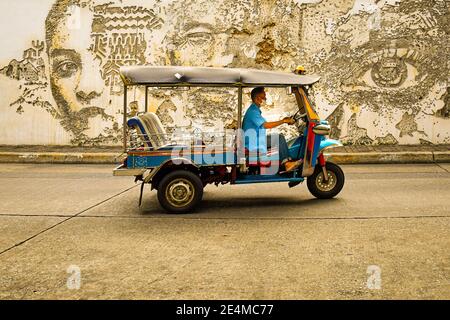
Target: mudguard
pixel 329 143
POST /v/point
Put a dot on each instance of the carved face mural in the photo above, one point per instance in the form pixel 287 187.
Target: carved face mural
pixel 386 72
pixel 384 64
pixel 87 43
pixel 225 34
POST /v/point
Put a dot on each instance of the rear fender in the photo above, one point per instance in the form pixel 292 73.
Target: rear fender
pixel 172 164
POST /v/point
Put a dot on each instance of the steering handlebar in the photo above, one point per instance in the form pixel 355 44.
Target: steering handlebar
pixel 297 116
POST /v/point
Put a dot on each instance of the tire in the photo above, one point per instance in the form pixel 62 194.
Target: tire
pixel 326 191
pixel 180 191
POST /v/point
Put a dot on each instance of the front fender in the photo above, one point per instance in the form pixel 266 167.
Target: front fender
pixel 328 144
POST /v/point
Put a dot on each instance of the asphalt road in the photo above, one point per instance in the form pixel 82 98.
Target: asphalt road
pixel 72 231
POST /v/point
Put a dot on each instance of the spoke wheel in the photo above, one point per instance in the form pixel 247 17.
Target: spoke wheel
pixel 326 189
pixel 180 191
pixel 326 185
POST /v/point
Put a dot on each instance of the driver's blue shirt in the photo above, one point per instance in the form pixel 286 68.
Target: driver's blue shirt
pixel 255 133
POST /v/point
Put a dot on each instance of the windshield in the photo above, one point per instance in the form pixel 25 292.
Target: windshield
pixel 304 104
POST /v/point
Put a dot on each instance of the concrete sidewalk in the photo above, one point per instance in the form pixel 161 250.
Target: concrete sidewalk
pixel 342 155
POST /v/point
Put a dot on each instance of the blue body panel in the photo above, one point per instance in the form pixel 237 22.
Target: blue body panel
pixel 152 159
pixel 297 149
pixel 201 156
pixel 142 161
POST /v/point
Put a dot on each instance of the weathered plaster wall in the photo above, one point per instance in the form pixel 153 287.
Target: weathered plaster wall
pixel 384 63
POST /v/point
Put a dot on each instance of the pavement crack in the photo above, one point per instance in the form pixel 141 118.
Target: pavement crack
pixel 443 168
pixel 231 218
pixel 65 220
pixel 274 218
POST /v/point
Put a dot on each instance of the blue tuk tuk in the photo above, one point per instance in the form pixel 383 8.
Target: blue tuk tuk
pixel 179 164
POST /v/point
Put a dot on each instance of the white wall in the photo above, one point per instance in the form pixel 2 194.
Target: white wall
pixel 384 64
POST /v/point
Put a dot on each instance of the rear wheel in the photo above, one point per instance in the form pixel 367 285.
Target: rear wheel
pixel 326 189
pixel 180 191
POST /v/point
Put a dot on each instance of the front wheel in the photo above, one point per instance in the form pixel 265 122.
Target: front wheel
pixel 326 189
pixel 180 191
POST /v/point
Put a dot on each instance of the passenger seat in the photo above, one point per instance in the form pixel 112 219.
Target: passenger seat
pixel 149 126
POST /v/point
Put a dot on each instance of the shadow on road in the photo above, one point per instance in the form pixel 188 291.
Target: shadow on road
pixel 261 206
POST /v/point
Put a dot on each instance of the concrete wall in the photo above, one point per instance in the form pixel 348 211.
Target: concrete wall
pixel 384 64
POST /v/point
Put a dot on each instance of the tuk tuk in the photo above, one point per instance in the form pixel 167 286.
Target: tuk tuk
pixel 179 164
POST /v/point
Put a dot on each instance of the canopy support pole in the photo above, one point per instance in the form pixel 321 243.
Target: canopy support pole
pixel 125 118
pixel 240 150
pixel 146 99
pixel 239 122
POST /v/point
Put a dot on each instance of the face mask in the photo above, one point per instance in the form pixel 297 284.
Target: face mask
pixel 263 104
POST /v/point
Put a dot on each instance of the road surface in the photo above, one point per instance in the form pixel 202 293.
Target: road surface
pixel 76 232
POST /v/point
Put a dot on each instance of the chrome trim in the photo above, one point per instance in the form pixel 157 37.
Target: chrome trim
pixel 180 192
pixel 325 173
pixel 121 171
pixel 322 129
pixel 326 185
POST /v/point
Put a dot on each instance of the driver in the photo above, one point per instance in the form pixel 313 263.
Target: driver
pixel 254 122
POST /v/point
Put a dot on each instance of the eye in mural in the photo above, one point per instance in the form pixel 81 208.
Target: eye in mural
pixel 389 69
pixel 66 69
pixel 390 72
pixel 198 36
pixel 202 33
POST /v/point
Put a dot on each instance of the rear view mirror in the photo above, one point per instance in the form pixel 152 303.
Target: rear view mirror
pixel 322 129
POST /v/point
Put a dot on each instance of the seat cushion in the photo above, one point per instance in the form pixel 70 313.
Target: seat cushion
pixel 157 133
pixel 150 128
pixel 140 127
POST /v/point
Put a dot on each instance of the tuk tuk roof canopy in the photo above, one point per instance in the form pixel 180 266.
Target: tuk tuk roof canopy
pixel 208 76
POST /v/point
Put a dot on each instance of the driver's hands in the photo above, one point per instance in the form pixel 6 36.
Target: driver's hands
pixel 289 120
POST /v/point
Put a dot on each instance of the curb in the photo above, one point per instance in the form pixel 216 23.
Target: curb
pixel 382 157
pixel 56 157
pixel 441 156
pixel 340 158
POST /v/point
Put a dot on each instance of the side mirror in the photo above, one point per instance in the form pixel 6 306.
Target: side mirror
pixel 322 129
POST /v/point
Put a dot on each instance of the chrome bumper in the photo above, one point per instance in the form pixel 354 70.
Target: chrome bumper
pixel 121 171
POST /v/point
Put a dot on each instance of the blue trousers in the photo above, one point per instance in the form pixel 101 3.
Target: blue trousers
pixel 277 140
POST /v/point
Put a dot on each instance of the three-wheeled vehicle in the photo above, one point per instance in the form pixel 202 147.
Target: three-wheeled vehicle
pixel 179 164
